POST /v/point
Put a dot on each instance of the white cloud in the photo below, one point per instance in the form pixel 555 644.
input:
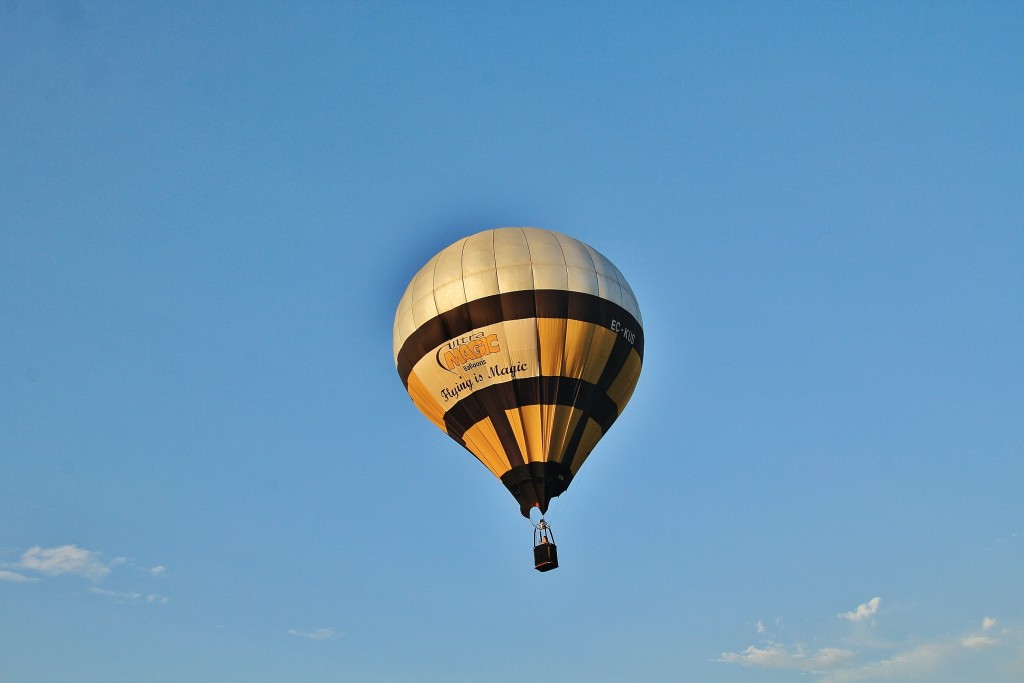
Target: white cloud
pixel 947 658
pixel 317 634
pixel 981 640
pixel 837 665
pixel 978 642
pixel 67 559
pixel 131 596
pixel 865 611
pixel 775 656
pixel 760 626
pixel 910 664
pixel 14 577
pixel 72 560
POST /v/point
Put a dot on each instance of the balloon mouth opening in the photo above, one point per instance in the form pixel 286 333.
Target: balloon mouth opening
pixel 534 484
pixel 535 515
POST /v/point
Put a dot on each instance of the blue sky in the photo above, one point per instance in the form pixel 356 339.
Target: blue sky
pixel 210 471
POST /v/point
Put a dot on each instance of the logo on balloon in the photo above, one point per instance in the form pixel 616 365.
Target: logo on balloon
pixel 465 353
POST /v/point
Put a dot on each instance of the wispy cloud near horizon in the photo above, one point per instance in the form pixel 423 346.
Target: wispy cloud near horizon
pixel 131 597
pixel 887 661
pixel 15 577
pixel 316 634
pixel 795 658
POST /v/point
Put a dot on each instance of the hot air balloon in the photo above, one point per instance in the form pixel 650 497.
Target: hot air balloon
pixel 523 345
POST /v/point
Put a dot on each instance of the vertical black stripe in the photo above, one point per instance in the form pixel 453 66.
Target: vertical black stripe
pixel 497 398
pixel 599 410
pixel 507 436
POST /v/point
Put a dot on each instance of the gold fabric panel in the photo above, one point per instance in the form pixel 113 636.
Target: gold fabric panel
pixel 483 442
pixel 591 435
pixel 530 431
pixel 625 382
pixel 551 334
pixel 587 349
pixel 424 400
pixel 563 424
pixel 542 432
pixel 600 351
pixel 577 345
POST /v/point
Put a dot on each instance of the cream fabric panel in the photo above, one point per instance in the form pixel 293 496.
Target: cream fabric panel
pixel 449 288
pixel 511 248
pixel 507 260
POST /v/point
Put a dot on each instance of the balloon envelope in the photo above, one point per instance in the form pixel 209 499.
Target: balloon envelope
pixel 523 345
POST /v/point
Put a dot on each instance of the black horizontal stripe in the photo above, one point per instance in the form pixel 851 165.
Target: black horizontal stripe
pixel 531 303
pixel 497 398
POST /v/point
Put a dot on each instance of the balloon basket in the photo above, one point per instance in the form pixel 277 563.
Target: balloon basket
pixel 545 557
pixel 545 552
